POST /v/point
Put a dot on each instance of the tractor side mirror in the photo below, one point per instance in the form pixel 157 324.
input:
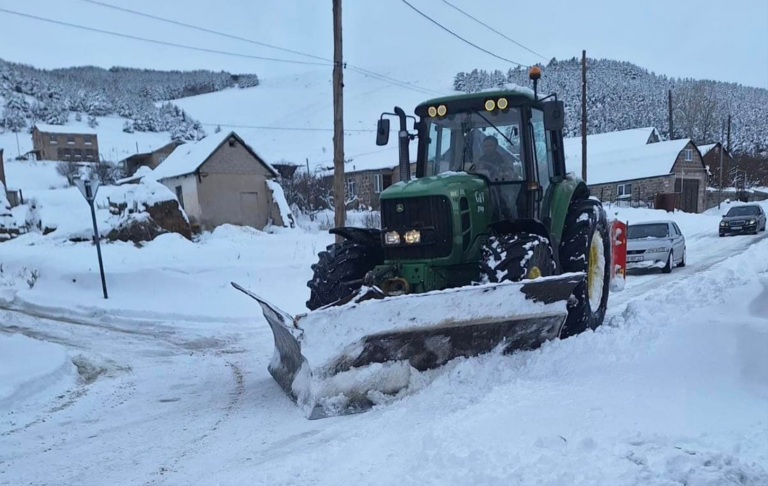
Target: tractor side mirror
pixel 554 115
pixel 382 132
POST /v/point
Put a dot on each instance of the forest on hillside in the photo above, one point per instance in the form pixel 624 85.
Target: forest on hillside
pixel 621 95
pixel 32 95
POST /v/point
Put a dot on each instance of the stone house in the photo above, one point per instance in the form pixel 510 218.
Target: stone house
pixel 633 166
pixel 151 159
pixel 221 180
pixel 637 176
pixel 62 142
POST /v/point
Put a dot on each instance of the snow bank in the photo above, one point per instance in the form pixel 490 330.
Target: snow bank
pixel 278 197
pixel 146 193
pixel 27 366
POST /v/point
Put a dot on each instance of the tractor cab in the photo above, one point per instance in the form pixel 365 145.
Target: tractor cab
pixel 509 139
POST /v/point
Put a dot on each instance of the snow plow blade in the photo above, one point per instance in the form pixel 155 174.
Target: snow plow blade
pixel 347 358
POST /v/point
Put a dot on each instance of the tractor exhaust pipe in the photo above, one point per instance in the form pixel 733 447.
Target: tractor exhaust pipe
pixel 403 139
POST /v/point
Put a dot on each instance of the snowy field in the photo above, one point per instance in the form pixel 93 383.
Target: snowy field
pixel 166 382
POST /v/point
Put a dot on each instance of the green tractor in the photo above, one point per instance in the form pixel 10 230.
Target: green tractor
pixel 490 228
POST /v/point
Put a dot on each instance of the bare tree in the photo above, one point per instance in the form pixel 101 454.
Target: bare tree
pixel 68 169
pixel 104 172
pixel 697 112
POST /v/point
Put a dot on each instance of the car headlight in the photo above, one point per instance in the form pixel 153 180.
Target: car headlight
pixel 752 221
pixel 413 236
pixel 723 223
pixel 392 238
pixel 657 250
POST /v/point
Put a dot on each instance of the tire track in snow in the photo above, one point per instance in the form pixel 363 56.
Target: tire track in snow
pixel 193 446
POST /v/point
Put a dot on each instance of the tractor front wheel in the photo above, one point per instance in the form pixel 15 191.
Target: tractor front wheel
pixel 339 271
pixel 516 257
pixel 586 247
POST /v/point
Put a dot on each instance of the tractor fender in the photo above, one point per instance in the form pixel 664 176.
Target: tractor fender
pixel 361 236
pixel 531 226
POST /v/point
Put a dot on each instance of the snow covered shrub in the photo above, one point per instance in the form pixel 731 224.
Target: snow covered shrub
pixel 68 169
pixel 32 219
pixel 92 121
pixel 144 211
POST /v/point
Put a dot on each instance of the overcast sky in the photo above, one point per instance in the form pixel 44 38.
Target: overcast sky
pixel 726 41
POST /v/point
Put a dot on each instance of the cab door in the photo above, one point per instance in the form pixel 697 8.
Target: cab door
pixel 543 160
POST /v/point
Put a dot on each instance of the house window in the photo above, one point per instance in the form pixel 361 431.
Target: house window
pixel 54 139
pixel 70 139
pixel 87 140
pixel 688 155
pixel 66 154
pixel 350 188
pixel 377 183
pixel 624 191
pixel 88 154
pixel 78 154
pixel 180 196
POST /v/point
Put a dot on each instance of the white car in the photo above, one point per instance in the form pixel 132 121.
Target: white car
pixel 655 244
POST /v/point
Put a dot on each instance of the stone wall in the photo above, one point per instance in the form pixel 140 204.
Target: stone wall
pixel 643 190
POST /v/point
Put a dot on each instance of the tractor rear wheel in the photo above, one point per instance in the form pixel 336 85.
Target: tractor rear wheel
pixel 586 247
pixel 516 257
pixel 339 271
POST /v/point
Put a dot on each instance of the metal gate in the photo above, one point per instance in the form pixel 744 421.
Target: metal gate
pixel 687 191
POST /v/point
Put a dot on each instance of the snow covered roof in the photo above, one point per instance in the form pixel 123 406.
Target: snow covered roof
pixel 187 158
pixel 376 160
pixel 608 142
pixel 65 129
pixel 704 149
pixel 652 160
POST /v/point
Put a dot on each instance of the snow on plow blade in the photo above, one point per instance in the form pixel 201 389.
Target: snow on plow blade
pixel 345 359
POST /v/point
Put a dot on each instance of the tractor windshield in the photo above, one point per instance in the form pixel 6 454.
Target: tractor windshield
pixel 480 142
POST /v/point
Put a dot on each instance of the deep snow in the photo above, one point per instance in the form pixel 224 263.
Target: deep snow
pixel 171 385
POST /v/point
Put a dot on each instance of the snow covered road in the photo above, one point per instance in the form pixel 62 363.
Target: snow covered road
pixel 674 389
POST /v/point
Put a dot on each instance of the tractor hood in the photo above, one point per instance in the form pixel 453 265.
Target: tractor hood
pixel 449 184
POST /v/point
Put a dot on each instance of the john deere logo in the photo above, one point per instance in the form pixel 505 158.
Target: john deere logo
pixel 399 208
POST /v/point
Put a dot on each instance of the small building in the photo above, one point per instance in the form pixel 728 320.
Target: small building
pixel 710 153
pixel 151 159
pixel 221 180
pixel 365 179
pixel 285 169
pixel 62 142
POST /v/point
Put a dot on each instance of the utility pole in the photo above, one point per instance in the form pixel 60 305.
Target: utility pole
pixel 720 191
pixel 338 122
pixel 671 122
pixel 584 115
pixel 728 137
pixel 309 192
pixel 18 147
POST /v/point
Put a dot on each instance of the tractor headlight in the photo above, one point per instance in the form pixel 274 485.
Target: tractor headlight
pixel 657 250
pixel 392 238
pixel 752 221
pixel 490 105
pixel 412 237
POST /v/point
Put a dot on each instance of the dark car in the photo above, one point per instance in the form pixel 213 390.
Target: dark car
pixel 749 218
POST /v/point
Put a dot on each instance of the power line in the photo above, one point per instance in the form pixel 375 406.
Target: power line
pixel 460 37
pixel 381 77
pixel 490 28
pixel 295 129
pixel 263 127
pixel 154 41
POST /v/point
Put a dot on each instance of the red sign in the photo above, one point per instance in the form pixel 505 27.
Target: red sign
pixel 618 255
